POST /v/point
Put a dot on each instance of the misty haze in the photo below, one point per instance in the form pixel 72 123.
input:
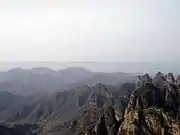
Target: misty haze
pixel 93 67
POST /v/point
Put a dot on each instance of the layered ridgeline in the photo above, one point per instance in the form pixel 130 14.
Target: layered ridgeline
pixel 39 80
pixel 58 112
pixel 153 109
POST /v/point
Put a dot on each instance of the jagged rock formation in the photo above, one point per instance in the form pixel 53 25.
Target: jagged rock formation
pixel 53 106
pixel 178 80
pixel 111 122
pixel 170 78
pixel 153 108
pixel 160 80
pixel 85 105
pixel 143 80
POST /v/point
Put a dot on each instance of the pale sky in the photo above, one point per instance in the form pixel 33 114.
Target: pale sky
pixel 89 30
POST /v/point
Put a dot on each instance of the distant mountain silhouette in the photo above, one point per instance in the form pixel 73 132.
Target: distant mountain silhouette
pixel 38 80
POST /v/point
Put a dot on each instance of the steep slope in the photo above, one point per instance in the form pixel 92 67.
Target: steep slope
pixel 153 109
pixel 10 104
pixel 100 99
pixel 60 106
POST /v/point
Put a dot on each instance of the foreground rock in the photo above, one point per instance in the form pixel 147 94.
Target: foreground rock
pixel 153 109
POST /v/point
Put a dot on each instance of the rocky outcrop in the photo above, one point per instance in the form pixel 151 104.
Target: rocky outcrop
pixel 101 128
pixel 153 108
pixel 142 80
pixel 144 97
pixel 170 78
pixel 159 80
pixel 150 121
pixel 111 122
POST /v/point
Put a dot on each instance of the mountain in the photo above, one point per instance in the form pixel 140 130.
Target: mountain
pixel 10 104
pixel 152 109
pixel 56 111
pixel 39 80
pixel 149 107
pixel 86 107
pixel 127 67
pixel 53 106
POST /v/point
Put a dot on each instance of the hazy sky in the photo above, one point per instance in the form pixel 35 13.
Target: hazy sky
pixel 89 30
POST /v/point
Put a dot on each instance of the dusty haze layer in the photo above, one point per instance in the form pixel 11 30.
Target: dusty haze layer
pixel 128 67
pixel 57 30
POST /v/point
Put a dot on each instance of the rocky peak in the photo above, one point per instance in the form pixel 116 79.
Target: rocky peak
pixel 170 78
pixel 144 97
pixel 153 108
pixel 178 80
pixel 160 80
pixel 142 80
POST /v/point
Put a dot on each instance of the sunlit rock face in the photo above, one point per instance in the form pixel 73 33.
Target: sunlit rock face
pixel 153 108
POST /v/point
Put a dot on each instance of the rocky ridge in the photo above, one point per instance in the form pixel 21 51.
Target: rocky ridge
pixel 153 109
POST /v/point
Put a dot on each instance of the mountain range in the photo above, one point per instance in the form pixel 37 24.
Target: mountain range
pixel 39 80
pixel 97 66
pixel 147 106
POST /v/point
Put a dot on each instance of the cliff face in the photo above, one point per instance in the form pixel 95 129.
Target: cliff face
pixel 153 108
